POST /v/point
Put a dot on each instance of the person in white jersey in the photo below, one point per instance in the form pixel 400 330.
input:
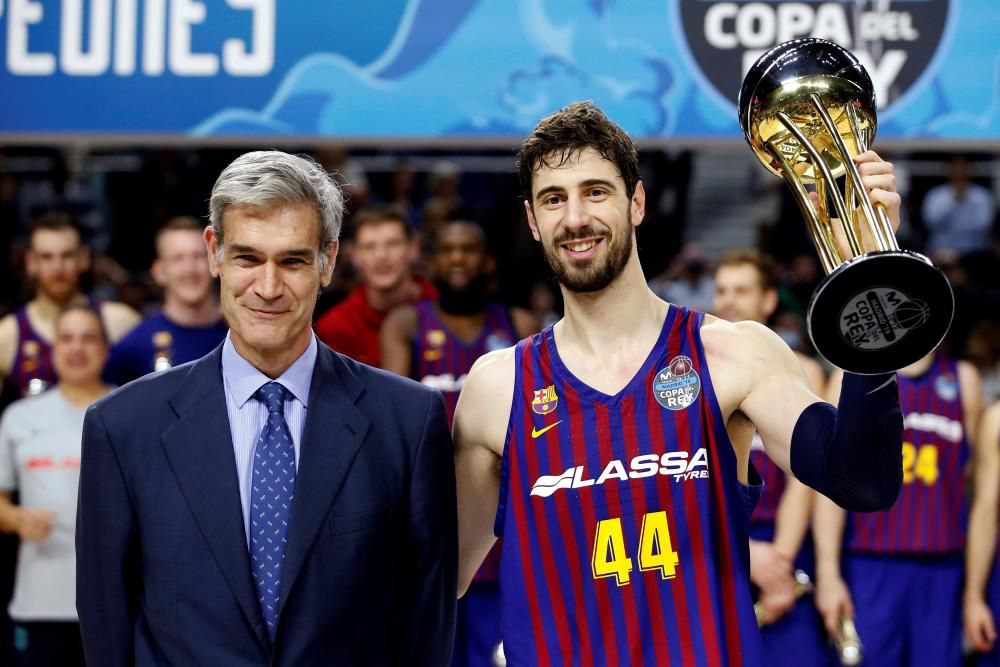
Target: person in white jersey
pixel 40 459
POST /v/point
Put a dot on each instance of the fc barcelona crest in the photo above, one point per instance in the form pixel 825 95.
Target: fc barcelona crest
pixel 545 400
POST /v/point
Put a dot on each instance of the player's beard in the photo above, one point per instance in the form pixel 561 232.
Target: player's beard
pixel 469 300
pixel 598 274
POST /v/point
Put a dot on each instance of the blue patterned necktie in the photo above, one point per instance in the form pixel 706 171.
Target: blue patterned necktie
pixel 271 495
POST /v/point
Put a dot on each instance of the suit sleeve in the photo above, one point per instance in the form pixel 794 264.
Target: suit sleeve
pixel 427 616
pixel 107 555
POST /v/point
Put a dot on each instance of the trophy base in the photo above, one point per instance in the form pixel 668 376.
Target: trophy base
pixel 880 312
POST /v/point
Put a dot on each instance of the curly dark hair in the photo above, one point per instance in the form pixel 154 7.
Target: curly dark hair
pixel 558 137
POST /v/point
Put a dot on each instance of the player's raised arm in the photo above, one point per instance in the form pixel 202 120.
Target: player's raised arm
pixel 853 453
pixel 479 430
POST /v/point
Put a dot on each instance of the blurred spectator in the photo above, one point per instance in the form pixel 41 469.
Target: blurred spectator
pixel 40 459
pixel 383 253
pixel 56 260
pixel 190 324
pixel 958 214
pixel 687 280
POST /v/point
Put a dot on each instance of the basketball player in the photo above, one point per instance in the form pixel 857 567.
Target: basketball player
pixel 902 580
pixel 746 288
pixel 981 601
pixel 56 259
pixel 610 452
pixel 190 324
pixel 437 343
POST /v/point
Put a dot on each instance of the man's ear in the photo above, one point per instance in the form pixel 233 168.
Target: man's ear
pixel 331 262
pixel 531 221
pixel 638 204
pixel 212 245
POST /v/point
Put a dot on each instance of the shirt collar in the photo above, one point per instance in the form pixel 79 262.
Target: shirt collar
pixel 244 379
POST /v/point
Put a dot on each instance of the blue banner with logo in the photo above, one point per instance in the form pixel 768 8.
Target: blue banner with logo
pixel 467 69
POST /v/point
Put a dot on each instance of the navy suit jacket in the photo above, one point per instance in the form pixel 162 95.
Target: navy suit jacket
pixel 163 573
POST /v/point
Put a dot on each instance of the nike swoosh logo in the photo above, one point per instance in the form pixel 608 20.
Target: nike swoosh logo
pixel 535 432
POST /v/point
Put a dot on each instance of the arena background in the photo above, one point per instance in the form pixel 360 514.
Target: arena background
pixel 125 111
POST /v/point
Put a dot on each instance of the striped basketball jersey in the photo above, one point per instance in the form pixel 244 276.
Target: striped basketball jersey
pixel 442 360
pixel 624 524
pixel 774 483
pixel 930 514
pixel 32 372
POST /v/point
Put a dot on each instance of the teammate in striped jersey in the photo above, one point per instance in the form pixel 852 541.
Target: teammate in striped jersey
pixel 610 452
pixel 902 580
pixel 436 342
pixel 981 601
pixel 746 288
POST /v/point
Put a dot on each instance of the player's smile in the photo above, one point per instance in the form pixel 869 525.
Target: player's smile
pixel 582 248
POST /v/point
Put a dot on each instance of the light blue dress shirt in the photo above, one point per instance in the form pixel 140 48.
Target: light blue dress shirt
pixel 248 415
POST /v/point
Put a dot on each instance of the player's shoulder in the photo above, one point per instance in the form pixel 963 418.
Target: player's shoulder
pixel 746 347
pixel 8 328
pixel 493 369
pixel 118 309
pixel 736 339
pixel 403 317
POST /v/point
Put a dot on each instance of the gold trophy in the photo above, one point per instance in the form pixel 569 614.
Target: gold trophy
pixel 807 108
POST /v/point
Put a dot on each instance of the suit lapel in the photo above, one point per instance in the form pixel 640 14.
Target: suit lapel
pixel 199 448
pixel 333 434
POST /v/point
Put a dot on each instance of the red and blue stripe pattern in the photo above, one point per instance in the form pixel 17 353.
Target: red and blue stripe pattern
pixel 555 610
pixel 929 516
pixel 442 360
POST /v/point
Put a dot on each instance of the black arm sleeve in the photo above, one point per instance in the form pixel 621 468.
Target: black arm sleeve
pixel 852 454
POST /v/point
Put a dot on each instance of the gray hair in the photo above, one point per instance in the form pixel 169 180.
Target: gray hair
pixel 272 178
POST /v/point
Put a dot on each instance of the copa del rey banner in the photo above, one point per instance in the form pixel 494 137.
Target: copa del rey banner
pixel 470 69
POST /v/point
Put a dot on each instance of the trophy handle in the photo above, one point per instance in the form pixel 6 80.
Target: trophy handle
pixel 878 223
pixel 820 231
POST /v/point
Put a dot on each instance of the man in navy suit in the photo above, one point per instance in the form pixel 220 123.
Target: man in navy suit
pixel 273 503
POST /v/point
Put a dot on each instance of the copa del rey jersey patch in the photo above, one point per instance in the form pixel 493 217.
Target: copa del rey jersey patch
pixel 677 386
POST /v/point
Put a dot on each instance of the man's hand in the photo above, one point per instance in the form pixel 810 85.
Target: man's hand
pixel 979 625
pixel 879 180
pixel 771 572
pixel 833 601
pixel 34 525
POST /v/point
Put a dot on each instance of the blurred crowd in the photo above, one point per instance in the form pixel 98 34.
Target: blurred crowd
pixel 436 267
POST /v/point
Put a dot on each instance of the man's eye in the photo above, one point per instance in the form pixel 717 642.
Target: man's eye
pixel 598 192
